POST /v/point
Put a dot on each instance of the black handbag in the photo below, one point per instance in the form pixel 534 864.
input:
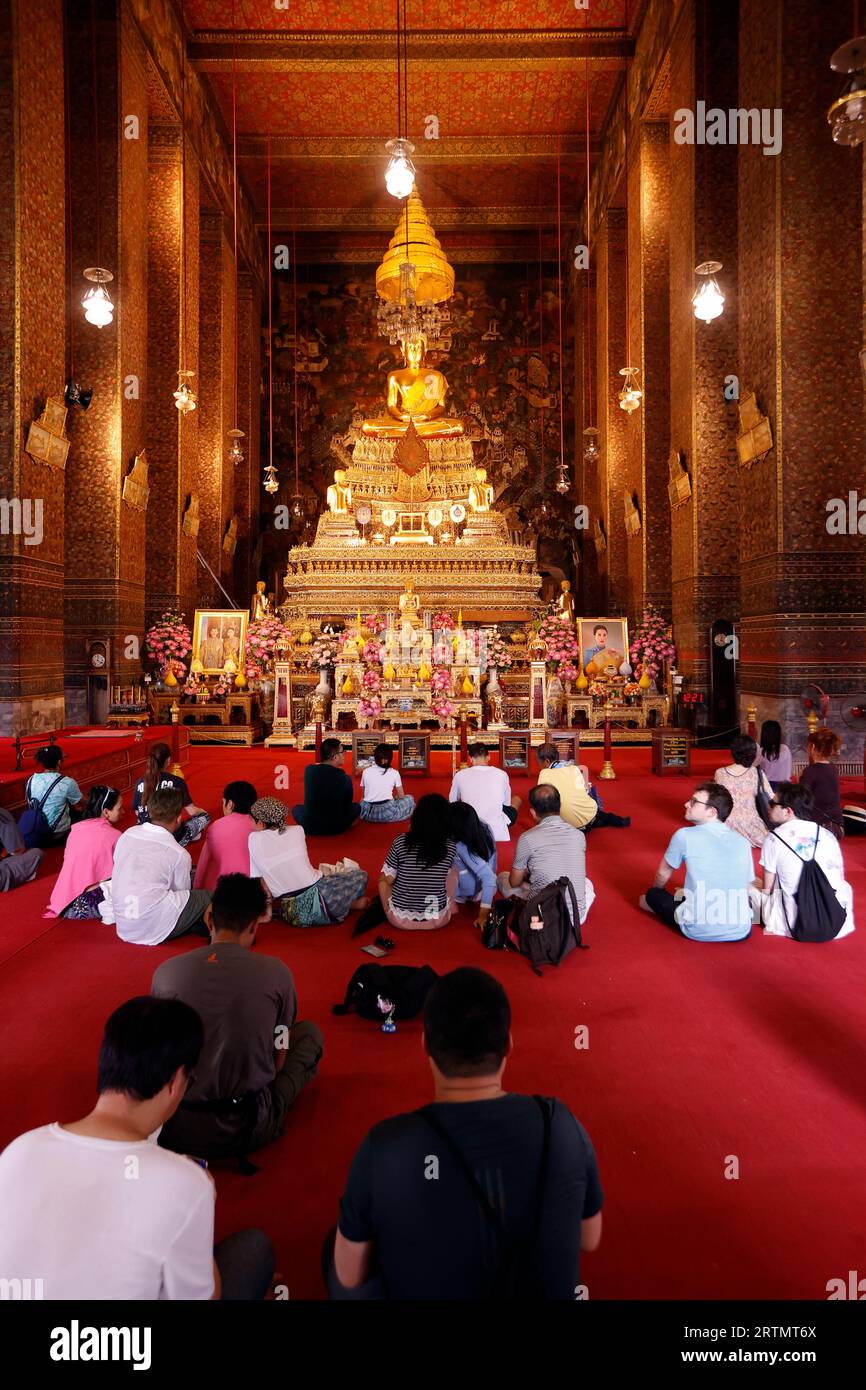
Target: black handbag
pixel 762 800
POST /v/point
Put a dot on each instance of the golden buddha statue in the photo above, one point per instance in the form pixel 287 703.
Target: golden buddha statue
pixel 409 605
pixel 339 494
pixel 261 605
pixel 565 601
pixel 415 393
pixel 481 492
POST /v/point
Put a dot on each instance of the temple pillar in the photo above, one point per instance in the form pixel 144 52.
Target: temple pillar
pixel 611 420
pixel 705 529
pixel 800 334
pixel 105 533
pixel 648 429
pixel 247 482
pixel 32 361
pixel 215 473
pixel 172 435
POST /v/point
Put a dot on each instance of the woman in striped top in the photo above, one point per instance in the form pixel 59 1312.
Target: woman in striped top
pixel 419 876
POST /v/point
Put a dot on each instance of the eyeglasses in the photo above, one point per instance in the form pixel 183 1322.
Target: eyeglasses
pixel 772 803
pixel 693 801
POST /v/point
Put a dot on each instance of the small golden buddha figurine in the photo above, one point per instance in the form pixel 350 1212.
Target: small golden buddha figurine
pixel 565 601
pixel 339 495
pixel 261 605
pixel 481 492
pixel 409 605
pixel 415 393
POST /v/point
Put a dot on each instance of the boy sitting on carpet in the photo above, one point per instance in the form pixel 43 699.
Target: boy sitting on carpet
pixel 150 885
pixel 256 1058
pixel 97 1210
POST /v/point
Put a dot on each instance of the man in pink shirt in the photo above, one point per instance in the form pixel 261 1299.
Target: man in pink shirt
pixel 226 847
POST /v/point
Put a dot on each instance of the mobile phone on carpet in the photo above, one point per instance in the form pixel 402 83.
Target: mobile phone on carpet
pixel 374 950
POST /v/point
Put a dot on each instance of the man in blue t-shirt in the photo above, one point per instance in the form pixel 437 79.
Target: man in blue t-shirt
pixel 328 808
pixel 715 905
pixel 484 1188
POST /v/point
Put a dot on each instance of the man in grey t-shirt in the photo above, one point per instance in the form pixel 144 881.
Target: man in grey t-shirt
pixel 552 849
pixel 256 1059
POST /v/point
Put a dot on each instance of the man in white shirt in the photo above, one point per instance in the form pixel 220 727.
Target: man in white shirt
pixel 150 882
pixel 795 839
pixel 95 1210
pixel 488 790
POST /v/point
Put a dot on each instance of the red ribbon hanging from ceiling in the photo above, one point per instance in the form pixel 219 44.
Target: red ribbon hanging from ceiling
pixel 270 325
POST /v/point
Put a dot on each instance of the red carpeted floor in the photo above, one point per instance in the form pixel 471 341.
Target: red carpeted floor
pixel 697 1055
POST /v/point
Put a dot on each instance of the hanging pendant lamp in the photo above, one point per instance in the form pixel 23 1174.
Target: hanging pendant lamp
pixel 400 173
pixel 184 397
pixel 98 307
pixel 708 301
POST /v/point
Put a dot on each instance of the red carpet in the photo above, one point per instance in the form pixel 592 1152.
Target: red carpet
pixel 696 1053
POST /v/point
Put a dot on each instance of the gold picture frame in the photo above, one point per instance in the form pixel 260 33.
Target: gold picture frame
pixel 217 634
pixel 613 652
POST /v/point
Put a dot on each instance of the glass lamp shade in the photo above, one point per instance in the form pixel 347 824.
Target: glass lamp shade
pixel 297 511
pixel 270 483
pixel 98 308
pixel 631 394
pixel 590 448
pixel 708 301
pixel 236 453
pixel 400 174
pixel 847 114
pixel 563 482
pixel 185 399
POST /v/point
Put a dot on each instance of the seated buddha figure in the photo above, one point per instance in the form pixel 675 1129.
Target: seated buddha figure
pixel 415 393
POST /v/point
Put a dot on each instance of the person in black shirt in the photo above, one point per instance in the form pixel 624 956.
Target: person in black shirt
pixel 328 808
pixel 156 776
pixel 482 1189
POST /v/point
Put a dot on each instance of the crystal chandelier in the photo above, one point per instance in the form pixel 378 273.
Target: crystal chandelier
pixel 563 482
pixel 630 395
pixel 236 453
pixel 590 448
pixel 98 308
pixel 270 483
pixel 405 318
pixel 847 115
pixel 184 397
pixel 708 300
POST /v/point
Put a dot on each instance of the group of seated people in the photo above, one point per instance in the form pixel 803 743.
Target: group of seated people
pixel 722 898
pixel 209 1064
pixel 207 1067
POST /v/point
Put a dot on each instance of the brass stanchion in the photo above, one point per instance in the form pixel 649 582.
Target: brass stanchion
pixel 751 721
pixel 607 773
pixel 812 721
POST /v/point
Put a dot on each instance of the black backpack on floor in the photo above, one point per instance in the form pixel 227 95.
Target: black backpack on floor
pixel 508 926
pixel 820 915
pixel 404 986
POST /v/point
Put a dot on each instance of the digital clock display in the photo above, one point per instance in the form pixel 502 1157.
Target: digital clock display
pixel 693 697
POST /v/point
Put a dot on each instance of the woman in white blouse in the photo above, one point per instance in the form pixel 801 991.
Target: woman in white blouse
pixel 300 895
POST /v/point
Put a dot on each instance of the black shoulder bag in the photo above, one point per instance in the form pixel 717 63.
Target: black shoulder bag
pixel 516 1277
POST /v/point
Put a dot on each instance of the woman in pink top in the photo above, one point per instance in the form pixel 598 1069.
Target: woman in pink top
pixel 88 857
pixel 227 845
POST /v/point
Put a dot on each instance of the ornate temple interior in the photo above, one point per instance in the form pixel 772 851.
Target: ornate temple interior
pixel 441 377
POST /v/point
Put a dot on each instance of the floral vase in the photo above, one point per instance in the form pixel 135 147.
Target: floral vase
pixel 324 686
pixel 266 698
pixel 581 683
pixel 644 681
pixel 555 701
pixel 493 686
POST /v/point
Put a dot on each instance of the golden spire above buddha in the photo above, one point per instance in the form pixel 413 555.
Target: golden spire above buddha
pixel 415 393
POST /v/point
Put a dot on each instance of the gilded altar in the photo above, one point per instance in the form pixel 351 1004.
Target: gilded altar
pixel 420 526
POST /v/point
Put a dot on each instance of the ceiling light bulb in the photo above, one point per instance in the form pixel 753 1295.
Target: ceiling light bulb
pixel 400 174
pixel 590 450
pixel 708 300
pixel 98 308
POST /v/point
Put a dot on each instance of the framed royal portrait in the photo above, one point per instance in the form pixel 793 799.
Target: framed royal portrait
pixel 217 635
pixel 603 646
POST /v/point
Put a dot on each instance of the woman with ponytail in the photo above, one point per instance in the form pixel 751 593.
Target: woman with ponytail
pixel 157 775
pixel 88 857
